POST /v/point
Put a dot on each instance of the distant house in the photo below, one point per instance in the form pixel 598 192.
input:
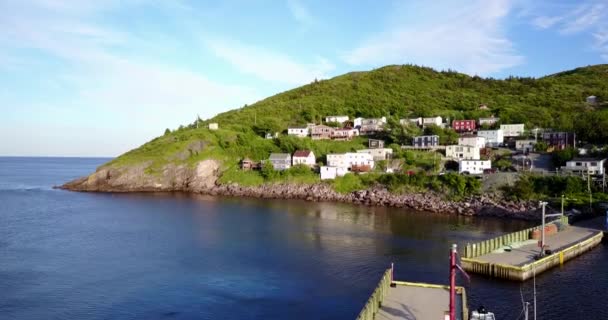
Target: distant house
pixel 248 164
pixel 525 145
pixel 321 132
pixel 425 141
pixel 494 138
pixel 344 134
pixel 473 141
pixel 350 159
pixel 436 121
pixel 213 126
pixel 372 125
pixel 375 144
pixel 585 166
pixel 462 126
pixel 512 130
pixel 298 132
pixel 271 136
pixel 591 99
pixel 378 154
pixel 305 157
pixel 483 107
pixel 474 166
pixel 488 121
pixel 280 161
pixel 414 121
pixel 462 152
pixel 559 140
pixel 338 119
pixel 330 173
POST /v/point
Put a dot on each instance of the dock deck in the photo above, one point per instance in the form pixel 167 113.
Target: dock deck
pixel 525 254
pixel 520 263
pixel 417 301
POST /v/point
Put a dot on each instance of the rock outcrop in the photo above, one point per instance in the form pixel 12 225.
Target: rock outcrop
pixel 202 178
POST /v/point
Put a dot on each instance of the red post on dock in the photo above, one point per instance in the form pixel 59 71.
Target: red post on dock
pixel 453 283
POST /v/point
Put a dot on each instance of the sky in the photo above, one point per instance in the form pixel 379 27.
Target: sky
pixel 98 78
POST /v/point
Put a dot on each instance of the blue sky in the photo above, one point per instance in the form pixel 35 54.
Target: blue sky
pixel 98 78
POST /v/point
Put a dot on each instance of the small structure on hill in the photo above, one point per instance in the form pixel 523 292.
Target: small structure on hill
pixel 462 126
pixel 213 126
pixel 425 141
pixel 474 166
pixel 585 166
pixel 591 99
pixel 280 161
pixel 301 132
pixel 375 144
pixel 248 164
pixel 305 157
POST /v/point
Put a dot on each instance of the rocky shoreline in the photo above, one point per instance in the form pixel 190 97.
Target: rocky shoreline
pixel 203 180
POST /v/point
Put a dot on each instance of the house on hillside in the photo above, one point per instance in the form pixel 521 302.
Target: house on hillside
pixel 512 130
pixel 425 141
pixel 350 159
pixel 411 121
pixel 525 145
pixel 474 166
pixel 344 134
pixel 378 154
pixel 462 126
pixel 330 173
pixel 248 164
pixel 473 141
pixel 494 138
pixel 375 144
pixel 559 140
pixel 338 119
pixel 432 121
pixel 213 126
pixel 300 132
pixel 488 121
pixel 321 132
pixel 462 152
pixel 271 136
pixel 585 166
pixel 372 125
pixel 280 161
pixel 591 99
pixel 483 107
pixel 305 157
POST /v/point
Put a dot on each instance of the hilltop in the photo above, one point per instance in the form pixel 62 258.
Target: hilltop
pixel 194 158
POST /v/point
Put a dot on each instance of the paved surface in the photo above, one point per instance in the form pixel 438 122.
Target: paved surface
pixel 525 254
pixel 416 303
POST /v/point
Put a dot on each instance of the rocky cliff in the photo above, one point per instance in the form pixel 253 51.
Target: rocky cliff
pixel 202 178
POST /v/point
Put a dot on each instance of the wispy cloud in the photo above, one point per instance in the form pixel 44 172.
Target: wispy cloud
pixel 582 17
pixel 467 37
pixel 106 72
pixel 300 13
pixel 269 65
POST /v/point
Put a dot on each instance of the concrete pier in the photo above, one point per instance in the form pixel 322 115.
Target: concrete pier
pixel 519 263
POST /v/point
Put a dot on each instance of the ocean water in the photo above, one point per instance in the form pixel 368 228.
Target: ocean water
pixel 69 255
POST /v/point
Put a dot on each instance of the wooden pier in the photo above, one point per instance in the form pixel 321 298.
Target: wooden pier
pixel 514 256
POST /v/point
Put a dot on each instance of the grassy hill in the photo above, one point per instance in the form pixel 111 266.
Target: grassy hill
pixel 555 101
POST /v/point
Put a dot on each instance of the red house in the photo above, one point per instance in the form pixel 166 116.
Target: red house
pixel 463 125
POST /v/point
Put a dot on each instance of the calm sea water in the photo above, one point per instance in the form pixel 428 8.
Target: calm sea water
pixel 67 255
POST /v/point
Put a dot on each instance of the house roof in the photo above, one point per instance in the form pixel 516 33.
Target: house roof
pixel 302 153
pixel 279 156
pixel 586 159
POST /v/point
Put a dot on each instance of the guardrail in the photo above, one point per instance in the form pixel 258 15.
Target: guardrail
pixel 375 300
pixel 487 246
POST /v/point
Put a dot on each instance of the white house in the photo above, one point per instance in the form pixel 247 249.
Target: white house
pixel 591 99
pixel 338 119
pixel 437 121
pixel 298 132
pixel 494 138
pixel 512 130
pixel 280 161
pixel 378 154
pixel 462 152
pixel 473 141
pixel 372 125
pixel 213 126
pixel 357 122
pixel 474 166
pixel 525 145
pixel 488 121
pixel 414 121
pixel 344 134
pixel 305 157
pixel 330 173
pixel 350 159
pixel 585 166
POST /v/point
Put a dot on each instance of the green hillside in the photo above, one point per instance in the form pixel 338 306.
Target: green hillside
pixel 556 101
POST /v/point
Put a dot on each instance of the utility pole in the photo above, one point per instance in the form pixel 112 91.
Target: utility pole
pixel 197 118
pixel 526 306
pixel 542 232
pixel 562 205
pixel 453 283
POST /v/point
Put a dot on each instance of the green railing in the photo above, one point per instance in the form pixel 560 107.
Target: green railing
pixel 375 301
pixel 487 246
